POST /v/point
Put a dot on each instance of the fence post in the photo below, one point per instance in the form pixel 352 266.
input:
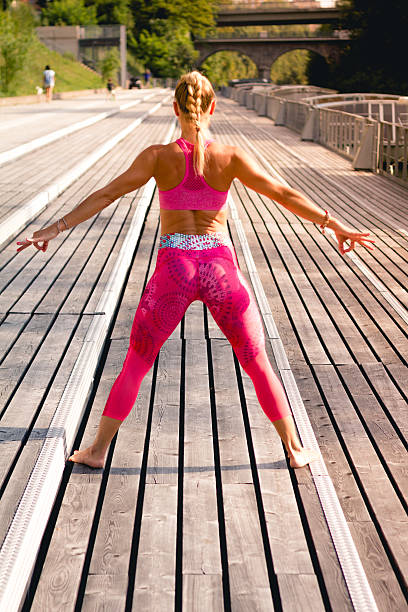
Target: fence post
pixel 363 159
pixel 281 116
pixel 309 129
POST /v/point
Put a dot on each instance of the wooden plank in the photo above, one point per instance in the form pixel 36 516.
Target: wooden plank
pixel 60 577
pixel 194 321
pixel 213 329
pixel 384 435
pixel 248 575
pixel 386 589
pixel 289 548
pixel 32 447
pixel 201 546
pixel 235 467
pixel 249 581
pixel 392 398
pixel 329 567
pixel 386 506
pixel 358 327
pixel 82 284
pixel 105 592
pixel 97 290
pixel 112 549
pixel 300 592
pixel 17 360
pixel 156 562
pixel 202 593
pixel 141 268
pixel 10 329
pixel 21 294
pixel 285 299
pixel 377 567
pixel 162 464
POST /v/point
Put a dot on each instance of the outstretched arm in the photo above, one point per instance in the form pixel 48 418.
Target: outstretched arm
pixel 141 170
pixel 250 174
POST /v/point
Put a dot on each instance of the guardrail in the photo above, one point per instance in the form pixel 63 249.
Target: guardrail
pixel 227 7
pixel 392 149
pixel 265 35
pixel 369 143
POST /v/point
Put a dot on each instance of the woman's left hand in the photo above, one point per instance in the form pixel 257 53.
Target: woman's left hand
pixel 40 239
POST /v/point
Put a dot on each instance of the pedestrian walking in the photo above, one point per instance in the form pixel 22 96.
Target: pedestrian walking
pixel 196 260
pixel 110 90
pixel 146 76
pixel 48 82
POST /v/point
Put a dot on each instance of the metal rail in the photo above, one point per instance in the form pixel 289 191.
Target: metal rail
pixel 392 150
pixel 265 35
pixel 340 131
pixel 369 142
pixel 262 7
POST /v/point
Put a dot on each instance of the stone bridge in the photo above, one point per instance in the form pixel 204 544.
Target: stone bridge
pixel 265 51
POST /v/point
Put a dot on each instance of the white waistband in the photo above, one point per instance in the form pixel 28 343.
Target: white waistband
pixel 197 242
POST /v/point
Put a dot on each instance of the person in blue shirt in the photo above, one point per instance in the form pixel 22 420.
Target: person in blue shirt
pixel 48 82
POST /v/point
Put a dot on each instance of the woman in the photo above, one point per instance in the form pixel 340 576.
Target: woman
pixel 196 260
pixel 48 82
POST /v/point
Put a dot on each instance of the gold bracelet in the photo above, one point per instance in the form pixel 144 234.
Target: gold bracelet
pixel 58 226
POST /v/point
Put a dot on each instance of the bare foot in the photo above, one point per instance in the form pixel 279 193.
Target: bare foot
pixel 88 457
pixel 302 457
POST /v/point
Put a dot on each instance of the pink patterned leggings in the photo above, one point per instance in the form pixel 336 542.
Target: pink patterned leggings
pixel 192 268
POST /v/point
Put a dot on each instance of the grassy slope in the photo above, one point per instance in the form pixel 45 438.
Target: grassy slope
pixel 69 75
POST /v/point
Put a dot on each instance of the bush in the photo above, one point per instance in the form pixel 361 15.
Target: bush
pixel 68 12
pixel 110 64
pixel 16 36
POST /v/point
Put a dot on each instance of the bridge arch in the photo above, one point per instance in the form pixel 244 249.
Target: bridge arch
pixel 233 49
pixel 264 52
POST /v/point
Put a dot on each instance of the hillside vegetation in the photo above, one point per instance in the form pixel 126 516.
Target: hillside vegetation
pixel 69 74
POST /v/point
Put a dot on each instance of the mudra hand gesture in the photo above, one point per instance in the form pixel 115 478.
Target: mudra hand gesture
pixel 344 233
pixel 41 238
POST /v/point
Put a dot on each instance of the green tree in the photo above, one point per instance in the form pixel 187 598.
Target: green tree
pixel 110 64
pixel 16 36
pixel 163 33
pixel 112 11
pixel 68 12
pixel 291 68
pixel 224 66
pixel 168 50
pixel 196 15
pixel 374 60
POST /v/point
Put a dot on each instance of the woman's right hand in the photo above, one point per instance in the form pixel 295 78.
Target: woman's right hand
pixel 40 239
pixel 343 233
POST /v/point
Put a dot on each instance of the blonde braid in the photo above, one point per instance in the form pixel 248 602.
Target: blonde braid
pixel 199 149
pixel 194 94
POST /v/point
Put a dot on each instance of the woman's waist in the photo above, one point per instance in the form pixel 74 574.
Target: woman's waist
pixel 193 222
pixel 195 242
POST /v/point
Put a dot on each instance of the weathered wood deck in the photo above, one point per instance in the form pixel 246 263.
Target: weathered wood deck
pixel 196 508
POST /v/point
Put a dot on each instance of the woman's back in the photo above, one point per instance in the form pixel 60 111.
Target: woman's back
pixel 208 212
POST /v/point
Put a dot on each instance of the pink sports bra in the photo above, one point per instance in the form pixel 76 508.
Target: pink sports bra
pixel 193 193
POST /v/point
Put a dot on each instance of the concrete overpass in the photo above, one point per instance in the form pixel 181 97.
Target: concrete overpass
pixel 280 13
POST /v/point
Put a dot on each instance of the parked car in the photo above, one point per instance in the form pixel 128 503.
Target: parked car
pixel 135 82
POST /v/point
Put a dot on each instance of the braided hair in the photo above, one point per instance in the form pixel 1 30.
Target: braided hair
pixel 194 94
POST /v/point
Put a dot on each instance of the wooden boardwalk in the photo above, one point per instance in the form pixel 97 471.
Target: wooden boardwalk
pixel 196 508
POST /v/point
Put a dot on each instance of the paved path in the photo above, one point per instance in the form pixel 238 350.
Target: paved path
pixel 22 123
pixel 197 508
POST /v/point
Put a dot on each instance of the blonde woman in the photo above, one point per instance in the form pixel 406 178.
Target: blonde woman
pixel 196 260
